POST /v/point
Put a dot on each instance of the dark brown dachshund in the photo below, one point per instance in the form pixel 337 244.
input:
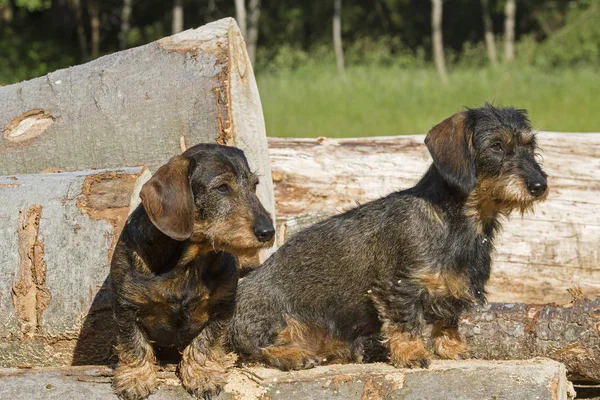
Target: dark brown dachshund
pixel 174 271
pixel 388 267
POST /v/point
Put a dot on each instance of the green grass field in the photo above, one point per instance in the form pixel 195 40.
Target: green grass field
pixel 373 100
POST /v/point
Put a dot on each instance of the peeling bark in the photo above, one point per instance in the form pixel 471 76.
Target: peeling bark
pixel 29 292
pixel 569 334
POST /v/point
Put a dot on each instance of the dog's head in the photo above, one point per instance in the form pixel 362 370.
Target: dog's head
pixel 208 194
pixel 490 150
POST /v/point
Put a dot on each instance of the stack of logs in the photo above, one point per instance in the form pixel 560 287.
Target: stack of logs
pixel 61 218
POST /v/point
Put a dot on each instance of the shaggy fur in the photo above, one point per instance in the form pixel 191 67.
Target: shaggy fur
pixel 390 266
pixel 174 271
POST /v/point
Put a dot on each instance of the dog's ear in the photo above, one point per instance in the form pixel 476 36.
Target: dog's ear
pixel 451 147
pixel 168 200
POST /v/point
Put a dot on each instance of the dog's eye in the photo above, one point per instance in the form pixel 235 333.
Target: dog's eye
pixel 497 146
pixel 224 189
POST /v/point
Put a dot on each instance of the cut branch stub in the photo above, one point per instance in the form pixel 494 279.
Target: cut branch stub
pixel 28 125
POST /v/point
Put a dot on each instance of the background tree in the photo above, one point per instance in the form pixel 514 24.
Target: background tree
pixel 510 9
pixel 252 37
pixel 488 27
pixel 438 40
pixel 177 25
pixel 337 37
pixel 240 16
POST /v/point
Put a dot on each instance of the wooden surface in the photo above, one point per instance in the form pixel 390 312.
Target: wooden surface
pixel 539 256
pixel 464 380
pixel 58 233
pixel 132 108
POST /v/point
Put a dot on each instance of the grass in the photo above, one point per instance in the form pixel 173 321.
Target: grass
pixel 314 101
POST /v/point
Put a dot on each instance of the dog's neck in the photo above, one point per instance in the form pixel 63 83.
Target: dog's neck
pixel 159 251
pixel 456 205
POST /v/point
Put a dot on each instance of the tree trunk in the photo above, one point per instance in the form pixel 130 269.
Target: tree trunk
pixel 121 110
pixel 540 379
pixel 59 232
pixel 253 19
pixel 538 256
pixel 438 41
pixel 95 27
pixel 125 24
pixel 510 10
pixel 337 37
pixel 81 37
pixel 488 28
pixel 240 16
pixel 570 334
pixel 177 23
pixel 6 13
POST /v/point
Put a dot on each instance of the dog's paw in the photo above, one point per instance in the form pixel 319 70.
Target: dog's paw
pixel 451 348
pixel 203 382
pixel 410 354
pixel 290 358
pixel 134 383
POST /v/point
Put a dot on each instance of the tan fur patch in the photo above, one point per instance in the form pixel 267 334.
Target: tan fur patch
pixel 447 342
pixel 405 350
pixel 299 342
pixel 201 373
pixel 135 377
pixel 445 284
pixel 499 195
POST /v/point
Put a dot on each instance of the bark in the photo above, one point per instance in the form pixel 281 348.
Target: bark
pixel 95 28
pixel 106 114
pixel 465 380
pixel 337 37
pixel 60 230
pixel 538 256
pixel 125 24
pixel 240 16
pixel 177 23
pixel 569 334
pixel 488 28
pixel 438 41
pixel 510 10
pixel 253 20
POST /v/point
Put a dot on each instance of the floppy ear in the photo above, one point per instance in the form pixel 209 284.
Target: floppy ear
pixel 168 200
pixel 451 147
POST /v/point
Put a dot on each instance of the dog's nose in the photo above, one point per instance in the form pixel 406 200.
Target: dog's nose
pixel 537 188
pixel 263 230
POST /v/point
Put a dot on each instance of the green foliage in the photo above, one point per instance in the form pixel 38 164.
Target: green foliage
pixel 313 101
pixel 23 58
pixel 33 5
pixel 576 43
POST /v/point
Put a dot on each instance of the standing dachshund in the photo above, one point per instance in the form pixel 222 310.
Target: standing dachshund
pixel 174 271
pixel 390 266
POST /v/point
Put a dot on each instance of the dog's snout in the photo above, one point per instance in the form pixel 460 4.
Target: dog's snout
pixel 537 188
pixel 263 229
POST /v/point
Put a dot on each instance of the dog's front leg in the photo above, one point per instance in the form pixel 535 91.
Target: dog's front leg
pixel 448 342
pixel 401 315
pixel 204 363
pixel 135 376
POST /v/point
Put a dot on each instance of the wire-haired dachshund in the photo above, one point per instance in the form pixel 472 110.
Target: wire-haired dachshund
pixel 390 266
pixel 174 271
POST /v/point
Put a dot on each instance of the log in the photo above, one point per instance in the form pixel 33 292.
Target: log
pixel 58 232
pixel 465 380
pixel 539 256
pixel 132 108
pixel 568 334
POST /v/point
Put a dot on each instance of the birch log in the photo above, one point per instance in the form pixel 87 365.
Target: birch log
pixel 132 107
pixel 58 232
pixel 539 256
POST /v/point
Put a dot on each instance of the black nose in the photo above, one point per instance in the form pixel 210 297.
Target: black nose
pixel 263 230
pixel 537 188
